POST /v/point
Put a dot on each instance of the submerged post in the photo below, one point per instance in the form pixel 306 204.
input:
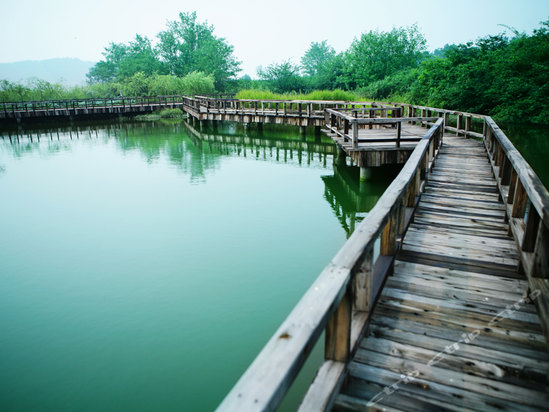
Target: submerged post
pixel 365 173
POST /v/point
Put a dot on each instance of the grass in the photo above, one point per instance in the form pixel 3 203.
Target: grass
pixel 336 94
pixel 162 114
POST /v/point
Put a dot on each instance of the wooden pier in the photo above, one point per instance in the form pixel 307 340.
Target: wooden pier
pixel 449 312
pixel 439 300
pixel 383 136
pixel 443 320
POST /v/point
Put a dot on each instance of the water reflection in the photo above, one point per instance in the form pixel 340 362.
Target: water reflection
pixel 144 244
pixel 352 199
pixel 195 151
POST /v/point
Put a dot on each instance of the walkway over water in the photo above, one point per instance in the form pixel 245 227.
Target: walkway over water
pixel 439 300
pixel 371 133
pixel 441 320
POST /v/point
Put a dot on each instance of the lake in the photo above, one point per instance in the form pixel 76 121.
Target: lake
pixel 144 265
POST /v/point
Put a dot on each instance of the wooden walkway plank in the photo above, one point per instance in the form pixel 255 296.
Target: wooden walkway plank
pixel 456 291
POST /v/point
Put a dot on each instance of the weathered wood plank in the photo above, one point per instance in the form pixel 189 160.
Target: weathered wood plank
pixel 321 393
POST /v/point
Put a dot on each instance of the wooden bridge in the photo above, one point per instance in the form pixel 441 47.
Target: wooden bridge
pixel 371 133
pixel 439 300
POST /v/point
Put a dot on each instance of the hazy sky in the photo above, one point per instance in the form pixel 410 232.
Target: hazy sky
pixel 262 32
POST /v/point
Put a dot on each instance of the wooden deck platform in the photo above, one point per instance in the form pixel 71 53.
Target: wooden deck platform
pixel 382 138
pixel 451 329
pixel 377 146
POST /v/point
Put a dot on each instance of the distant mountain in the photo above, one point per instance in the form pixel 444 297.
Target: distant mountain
pixel 66 70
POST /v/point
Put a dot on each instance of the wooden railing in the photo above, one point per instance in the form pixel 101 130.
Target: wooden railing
pixel 45 105
pixel 461 123
pixel 340 300
pixel 527 210
pixel 347 122
pixel 285 108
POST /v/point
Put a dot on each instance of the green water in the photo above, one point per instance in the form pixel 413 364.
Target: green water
pixel 143 266
pixel 533 143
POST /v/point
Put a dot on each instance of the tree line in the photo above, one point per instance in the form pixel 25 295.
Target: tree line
pixel 500 75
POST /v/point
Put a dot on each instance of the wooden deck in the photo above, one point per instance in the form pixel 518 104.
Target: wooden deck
pixel 377 146
pixel 441 316
pixel 382 138
pixel 451 329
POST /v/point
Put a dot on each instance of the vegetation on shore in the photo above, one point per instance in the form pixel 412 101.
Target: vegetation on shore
pixel 171 114
pixel 497 75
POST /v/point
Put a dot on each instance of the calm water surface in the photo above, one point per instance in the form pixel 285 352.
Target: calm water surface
pixel 143 266
pixel 532 141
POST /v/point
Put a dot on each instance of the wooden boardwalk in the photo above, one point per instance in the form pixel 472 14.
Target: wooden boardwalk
pixel 428 305
pixel 441 336
pixel 376 147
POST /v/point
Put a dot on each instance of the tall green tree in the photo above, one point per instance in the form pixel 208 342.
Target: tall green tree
pixel 282 77
pixel 188 45
pixel 317 58
pixel 322 66
pixel 125 60
pixel 376 54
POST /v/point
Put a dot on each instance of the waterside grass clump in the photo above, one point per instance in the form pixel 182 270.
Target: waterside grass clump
pixel 173 114
pixel 337 94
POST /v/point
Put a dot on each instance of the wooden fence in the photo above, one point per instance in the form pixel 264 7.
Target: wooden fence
pixel 343 121
pixel 527 210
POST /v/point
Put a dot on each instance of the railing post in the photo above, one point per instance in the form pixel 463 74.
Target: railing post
pixel 505 171
pixel 399 127
pixel 459 125
pixel 467 126
pixel 338 332
pixel 512 185
pixel 355 134
pixel 362 284
pixel 519 200
pixel 388 236
pixel 413 190
pixel 530 230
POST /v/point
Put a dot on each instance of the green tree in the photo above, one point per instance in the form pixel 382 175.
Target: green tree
pixel 376 55
pixel 282 77
pixel 123 61
pixel 198 83
pixel 317 58
pixel 165 84
pixel 323 67
pixel 187 46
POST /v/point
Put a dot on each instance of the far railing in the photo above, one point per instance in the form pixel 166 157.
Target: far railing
pixel 284 108
pixel 461 123
pixel 340 300
pixel 67 104
pixel 346 123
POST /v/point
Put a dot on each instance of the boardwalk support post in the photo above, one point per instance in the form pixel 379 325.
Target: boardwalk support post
pixel 365 173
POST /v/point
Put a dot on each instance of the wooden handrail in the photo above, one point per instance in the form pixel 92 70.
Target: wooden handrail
pixel 341 298
pixel 527 209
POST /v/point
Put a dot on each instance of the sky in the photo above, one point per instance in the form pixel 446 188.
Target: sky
pixel 262 32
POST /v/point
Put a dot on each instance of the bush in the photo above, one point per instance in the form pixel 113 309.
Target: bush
pixel 337 94
pixel 197 83
pixel 171 113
